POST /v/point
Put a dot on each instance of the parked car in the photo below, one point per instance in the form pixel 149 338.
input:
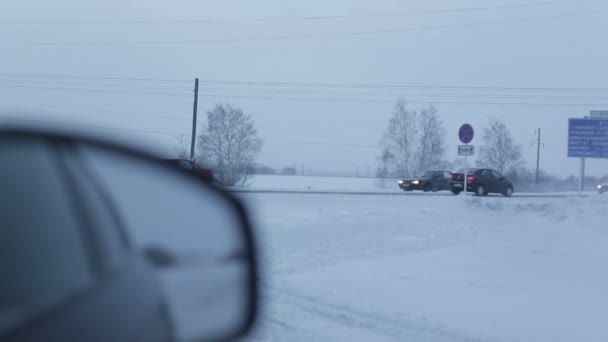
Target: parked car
pixel 429 181
pixel 482 182
pixel 601 188
pixel 204 172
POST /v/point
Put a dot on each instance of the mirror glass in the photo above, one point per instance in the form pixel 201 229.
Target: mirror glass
pixel 191 234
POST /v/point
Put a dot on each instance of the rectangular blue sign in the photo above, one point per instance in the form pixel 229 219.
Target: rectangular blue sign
pixel 588 138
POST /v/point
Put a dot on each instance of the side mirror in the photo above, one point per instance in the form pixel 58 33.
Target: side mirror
pixel 140 246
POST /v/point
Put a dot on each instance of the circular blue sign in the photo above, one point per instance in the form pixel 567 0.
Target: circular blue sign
pixel 465 133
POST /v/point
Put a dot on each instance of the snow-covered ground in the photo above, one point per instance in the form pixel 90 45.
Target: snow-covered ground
pixel 312 183
pixel 432 268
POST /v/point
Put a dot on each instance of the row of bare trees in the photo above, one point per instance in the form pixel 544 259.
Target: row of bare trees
pixel 414 142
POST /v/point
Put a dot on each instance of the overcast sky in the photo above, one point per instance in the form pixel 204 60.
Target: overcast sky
pixel 436 48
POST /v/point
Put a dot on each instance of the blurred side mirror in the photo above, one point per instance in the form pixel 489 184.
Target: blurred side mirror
pixel 138 245
pixel 191 232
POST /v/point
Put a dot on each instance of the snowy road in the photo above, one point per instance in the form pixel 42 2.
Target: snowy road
pixel 391 193
pixel 432 268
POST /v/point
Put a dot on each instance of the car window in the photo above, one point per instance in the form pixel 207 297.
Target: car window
pixel 496 174
pixel 107 230
pixel 43 254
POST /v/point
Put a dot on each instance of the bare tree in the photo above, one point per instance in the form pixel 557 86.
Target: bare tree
pixel 383 171
pixel 430 153
pixel 399 138
pixel 182 147
pixel 229 144
pixel 499 151
pixel 457 164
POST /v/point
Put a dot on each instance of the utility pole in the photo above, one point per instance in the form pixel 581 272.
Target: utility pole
pixel 194 114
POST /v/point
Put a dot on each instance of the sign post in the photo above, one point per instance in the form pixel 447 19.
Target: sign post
pixel 465 134
pixel 587 138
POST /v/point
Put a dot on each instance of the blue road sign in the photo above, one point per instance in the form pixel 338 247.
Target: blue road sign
pixel 588 138
pixel 465 133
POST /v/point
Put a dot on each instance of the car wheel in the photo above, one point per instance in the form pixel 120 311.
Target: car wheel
pixel 481 191
pixel 508 192
pixel 456 192
pixel 427 187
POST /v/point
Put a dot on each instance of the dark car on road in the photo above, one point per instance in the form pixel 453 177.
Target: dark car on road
pixel 429 181
pixel 601 188
pixel 482 182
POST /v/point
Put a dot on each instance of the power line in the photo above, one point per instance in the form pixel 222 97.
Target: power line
pixel 396 94
pixel 95 126
pixel 89 109
pixel 308 18
pixel 94 77
pixel 358 100
pixel 397 86
pixel 317 99
pixel 182 134
pixel 317 143
pixel 96 90
pixel 326 35
pixel 323 85
pixel 89 84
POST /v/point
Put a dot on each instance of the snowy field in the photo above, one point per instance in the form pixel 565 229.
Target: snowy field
pixel 312 183
pixel 432 268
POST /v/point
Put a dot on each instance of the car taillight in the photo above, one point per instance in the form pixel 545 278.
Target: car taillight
pixel 471 178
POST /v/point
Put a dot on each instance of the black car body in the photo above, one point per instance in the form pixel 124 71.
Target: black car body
pixel 482 182
pixel 430 181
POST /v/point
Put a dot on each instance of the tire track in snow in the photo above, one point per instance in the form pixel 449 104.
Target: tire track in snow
pixel 398 328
